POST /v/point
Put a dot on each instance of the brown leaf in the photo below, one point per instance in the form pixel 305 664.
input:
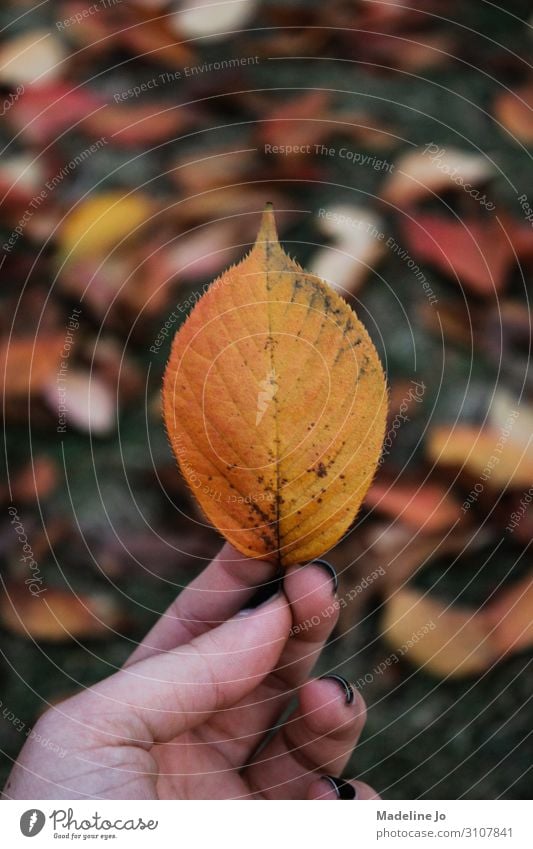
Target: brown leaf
pixel 514 109
pixel 28 363
pixel 510 614
pixel 57 615
pixel 445 641
pixel 35 481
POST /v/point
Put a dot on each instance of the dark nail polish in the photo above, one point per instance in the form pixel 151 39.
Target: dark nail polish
pixel 349 691
pixel 342 788
pixel 330 570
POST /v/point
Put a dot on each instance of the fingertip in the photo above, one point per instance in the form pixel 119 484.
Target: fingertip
pixel 331 705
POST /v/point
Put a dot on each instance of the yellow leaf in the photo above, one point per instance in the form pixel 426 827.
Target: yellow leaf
pixel 445 641
pixel 275 403
pixel 101 222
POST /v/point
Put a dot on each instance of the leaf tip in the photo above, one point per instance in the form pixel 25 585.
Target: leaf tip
pixel 267 231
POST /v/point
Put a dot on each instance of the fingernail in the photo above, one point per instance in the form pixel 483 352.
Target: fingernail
pixel 247 610
pixel 330 570
pixel 348 689
pixel 341 788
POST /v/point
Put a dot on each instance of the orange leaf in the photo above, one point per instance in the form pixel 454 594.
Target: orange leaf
pixel 514 110
pixel 511 616
pixel 26 363
pixel 56 615
pixel 275 403
pixel 444 640
pixel 491 454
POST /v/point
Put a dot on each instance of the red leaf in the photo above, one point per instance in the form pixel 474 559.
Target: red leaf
pixel 475 253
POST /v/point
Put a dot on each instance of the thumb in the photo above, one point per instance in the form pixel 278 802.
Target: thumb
pixel 166 694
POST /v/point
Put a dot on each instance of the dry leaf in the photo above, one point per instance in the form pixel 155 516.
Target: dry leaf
pixel 299 121
pixel 21 178
pixel 136 124
pixel 27 363
pixel 199 255
pixel 418 174
pixel 101 222
pixel 445 641
pixel 356 251
pixel 419 504
pixel 212 18
pixel 477 254
pixel 511 616
pixel 31 58
pixel 275 404
pixel 56 615
pixel 42 113
pixel 82 400
pixel 35 481
pixel 490 455
pixel 514 109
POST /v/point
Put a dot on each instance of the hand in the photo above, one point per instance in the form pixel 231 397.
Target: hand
pixel 185 716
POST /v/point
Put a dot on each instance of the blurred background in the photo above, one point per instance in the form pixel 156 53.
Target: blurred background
pixel 140 141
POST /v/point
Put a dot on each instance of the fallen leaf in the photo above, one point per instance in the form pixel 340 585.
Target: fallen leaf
pixel 401 554
pixel 275 403
pixel 21 178
pixel 42 113
pixel 27 363
pixel 82 400
pixel 34 57
pixel 136 124
pixel 356 251
pixel 444 641
pixel 491 455
pixel 151 36
pixel 57 615
pixel 35 481
pixel 213 169
pixel 503 404
pixel 429 507
pixel 514 109
pixel 476 253
pixel 510 614
pixel 298 121
pixel 212 18
pixel 100 222
pixel 201 254
pixel 419 174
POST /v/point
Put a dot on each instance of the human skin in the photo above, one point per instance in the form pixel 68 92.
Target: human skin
pixel 184 717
